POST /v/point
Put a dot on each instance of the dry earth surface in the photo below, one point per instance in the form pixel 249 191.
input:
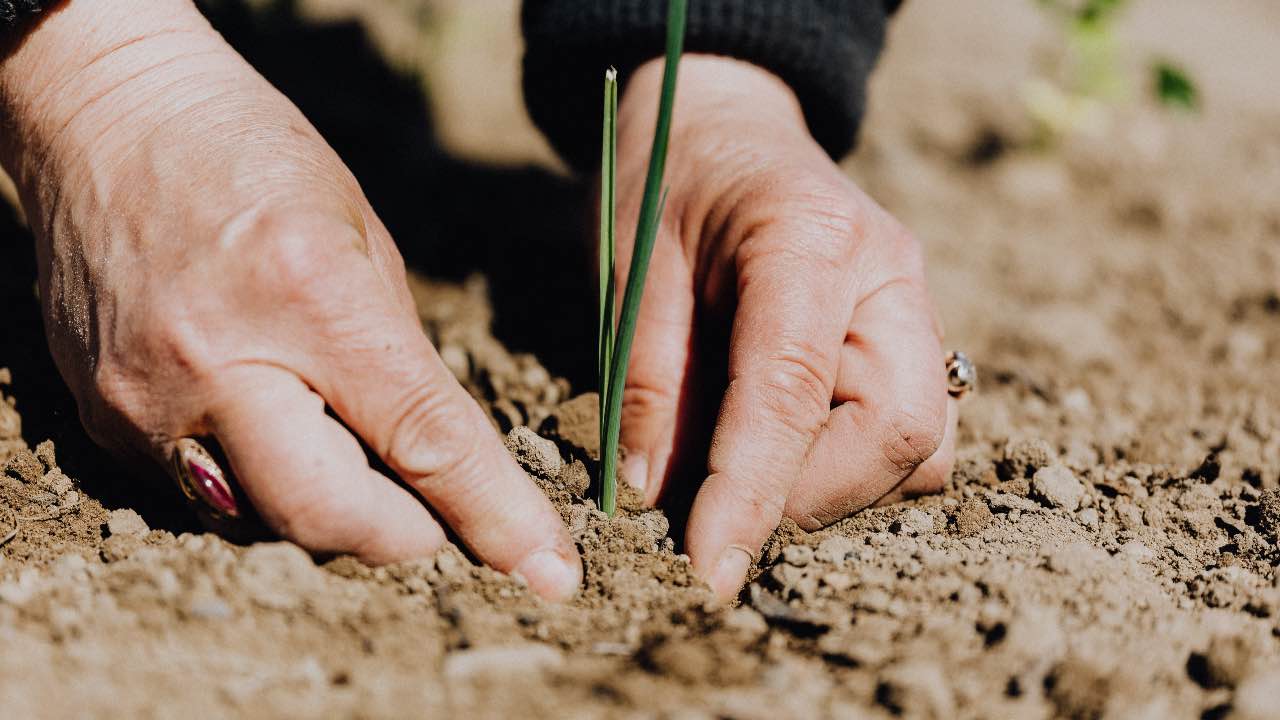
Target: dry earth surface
pixel 1107 546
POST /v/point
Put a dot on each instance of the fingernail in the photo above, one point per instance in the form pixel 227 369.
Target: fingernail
pixel 551 574
pixel 730 572
pixel 635 470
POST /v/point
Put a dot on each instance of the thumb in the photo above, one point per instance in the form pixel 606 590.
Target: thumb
pixel 656 391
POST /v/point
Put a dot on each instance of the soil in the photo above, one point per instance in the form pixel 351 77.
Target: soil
pixel 1107 546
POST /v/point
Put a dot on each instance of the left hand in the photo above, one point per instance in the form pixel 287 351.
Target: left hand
pixel 835 393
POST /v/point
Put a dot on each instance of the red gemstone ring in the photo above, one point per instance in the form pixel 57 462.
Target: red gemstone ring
pixel 201 479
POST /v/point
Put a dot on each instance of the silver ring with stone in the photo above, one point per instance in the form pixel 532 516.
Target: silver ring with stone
pixel 962 375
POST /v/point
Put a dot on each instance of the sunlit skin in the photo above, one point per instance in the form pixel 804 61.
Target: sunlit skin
pixel 208 267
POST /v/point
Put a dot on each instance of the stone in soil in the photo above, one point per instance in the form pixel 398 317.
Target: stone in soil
pixel 534 453
pixel 1057 487
pixel 127 523
pixel 1022 458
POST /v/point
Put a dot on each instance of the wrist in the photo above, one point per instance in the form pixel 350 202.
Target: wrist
pixel 72 78
pixel 715 94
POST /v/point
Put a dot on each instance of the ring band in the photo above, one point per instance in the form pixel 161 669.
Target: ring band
pixel 962 375
pixel 201 479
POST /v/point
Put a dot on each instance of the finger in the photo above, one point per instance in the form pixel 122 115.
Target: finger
pixel 307 476
pixel 932 475
pixel 783 358
pixel 389 385
pixel 657 392
pixel 893 411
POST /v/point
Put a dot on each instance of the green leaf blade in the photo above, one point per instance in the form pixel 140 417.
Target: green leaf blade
pixel 607 241
pixel 652 205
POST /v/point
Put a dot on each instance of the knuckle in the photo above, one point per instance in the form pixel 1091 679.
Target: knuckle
pixel 302 253
pixel 911 437
pixel 795 387
pixel 428 438
pixel 644 400
pixel 820 516
pixel 318 522
pixel 908 251
pixel 300 267
pixel 814 224
pixel 172 338
pixel 757 499
pixel 812 244
pixel 826 210
pixel 813 508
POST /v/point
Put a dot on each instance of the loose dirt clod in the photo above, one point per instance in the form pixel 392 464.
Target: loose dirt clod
pixel 536 454
pixel 127 523
pixel 1057 487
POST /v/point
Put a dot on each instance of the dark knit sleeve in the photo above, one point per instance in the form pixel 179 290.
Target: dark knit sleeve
pixel 11 10
pixel 823 49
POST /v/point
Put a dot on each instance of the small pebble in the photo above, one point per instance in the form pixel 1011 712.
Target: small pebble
pixel 834 550
pixel 535 453
pixel 56 481
pixel 279 575
pixel 746 622
pixel 1057 487
pixel 798 555
pixel 1137 550
pixel 874 600
pixel 126 522
pixel 208 608
pixel 838 581
pixel 501 662
pixel 916 688
pixel 24 466
pixel 1088 517
pixel 786 575
pixel 915 522
pixel 972 518
pixel 1022 458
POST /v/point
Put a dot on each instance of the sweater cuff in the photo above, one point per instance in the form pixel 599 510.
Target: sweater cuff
pixel 11 10
pixel 823 49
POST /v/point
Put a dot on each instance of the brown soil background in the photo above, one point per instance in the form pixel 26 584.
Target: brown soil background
pixel 1107 548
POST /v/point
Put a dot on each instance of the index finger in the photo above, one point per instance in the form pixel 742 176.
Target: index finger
pixel 795 295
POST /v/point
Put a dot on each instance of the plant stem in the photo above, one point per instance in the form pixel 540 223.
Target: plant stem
pixel 646 233
pixel 608 215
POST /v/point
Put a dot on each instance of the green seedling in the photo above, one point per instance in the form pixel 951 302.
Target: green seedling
pixel 1174 88
pixel 1090 80
pixel 614 345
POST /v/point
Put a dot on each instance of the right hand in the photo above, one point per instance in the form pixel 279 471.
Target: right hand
pixel 208 267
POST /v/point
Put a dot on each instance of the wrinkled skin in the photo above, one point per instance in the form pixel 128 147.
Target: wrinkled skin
pixel 208 267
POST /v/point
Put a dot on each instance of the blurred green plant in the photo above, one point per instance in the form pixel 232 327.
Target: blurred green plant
pixel 1090 79
pixel 1174 88
pixel 614 346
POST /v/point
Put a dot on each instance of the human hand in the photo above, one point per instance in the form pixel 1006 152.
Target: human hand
pixel 208 267
pixel 836 393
